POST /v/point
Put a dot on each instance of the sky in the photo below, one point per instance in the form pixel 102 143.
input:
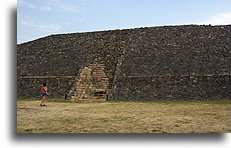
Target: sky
pixel 40 18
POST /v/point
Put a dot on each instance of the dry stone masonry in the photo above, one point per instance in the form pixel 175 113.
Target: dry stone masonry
pixel 91 84
pixel 188 62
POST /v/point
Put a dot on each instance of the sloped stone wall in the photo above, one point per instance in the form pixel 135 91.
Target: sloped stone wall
pixel 199 50
pixel 91 84
pixel 30 86
pixel 214 87
pixel 64 55
pixel 169 62
pixel 190 62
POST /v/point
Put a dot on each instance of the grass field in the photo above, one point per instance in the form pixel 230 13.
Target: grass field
pixel 124 117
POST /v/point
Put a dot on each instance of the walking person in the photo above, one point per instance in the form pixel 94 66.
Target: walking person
pixel 44 94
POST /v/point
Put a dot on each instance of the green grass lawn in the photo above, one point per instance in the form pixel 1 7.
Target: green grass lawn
pixel 62 116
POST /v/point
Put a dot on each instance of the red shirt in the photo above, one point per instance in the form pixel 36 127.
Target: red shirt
pixel 44 89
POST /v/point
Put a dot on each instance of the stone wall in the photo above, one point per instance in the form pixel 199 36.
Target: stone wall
pixel 169 62
pixel 58 86
pixel 172 88
pixel 65 55
pixel 175 63
pixel 92 83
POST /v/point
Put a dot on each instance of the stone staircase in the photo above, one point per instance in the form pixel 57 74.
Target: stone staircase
pixel 92 84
